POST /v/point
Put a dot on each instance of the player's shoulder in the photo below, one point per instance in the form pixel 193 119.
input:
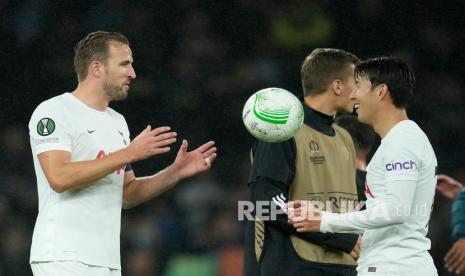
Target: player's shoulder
pixel 52 103
pixel 51 107
pixel 342 132
pixel 116 114
pixel 340 129
pixel 406 131
pixel 268 148
pixel 406 136
pixel 52 110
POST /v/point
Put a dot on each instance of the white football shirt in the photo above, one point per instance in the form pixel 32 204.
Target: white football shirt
pixel 81 224
pixel 400 187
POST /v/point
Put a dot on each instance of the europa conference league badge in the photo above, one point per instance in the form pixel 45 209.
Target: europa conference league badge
pixel 45 126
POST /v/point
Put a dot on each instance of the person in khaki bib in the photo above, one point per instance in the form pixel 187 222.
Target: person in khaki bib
pixel 318 163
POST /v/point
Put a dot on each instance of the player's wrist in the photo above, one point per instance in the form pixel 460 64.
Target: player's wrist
pixel 126 156
pixel 173 173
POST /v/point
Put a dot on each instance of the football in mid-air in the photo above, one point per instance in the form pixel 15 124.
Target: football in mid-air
pixel 273 115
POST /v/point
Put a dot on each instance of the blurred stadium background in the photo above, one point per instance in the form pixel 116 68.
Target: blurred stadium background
pixel 197 62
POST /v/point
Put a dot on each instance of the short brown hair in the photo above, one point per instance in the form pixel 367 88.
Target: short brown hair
pixel 324 65
pixel 94 46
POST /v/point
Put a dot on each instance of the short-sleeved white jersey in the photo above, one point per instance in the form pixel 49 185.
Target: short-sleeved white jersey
pixel 81 224
pixel 400 187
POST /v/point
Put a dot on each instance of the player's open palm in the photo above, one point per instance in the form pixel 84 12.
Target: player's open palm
pixel 189 163
pixel 151 142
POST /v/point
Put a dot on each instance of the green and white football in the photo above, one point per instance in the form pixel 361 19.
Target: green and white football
pixel 273 115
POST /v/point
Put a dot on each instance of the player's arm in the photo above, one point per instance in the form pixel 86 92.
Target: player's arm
pixel 186 164
pixel 394 208
pixel 272 169
pixel 391 210
pixel 63 174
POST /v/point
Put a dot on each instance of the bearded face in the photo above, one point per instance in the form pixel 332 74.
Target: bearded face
pixel 119 72
pixel 116 91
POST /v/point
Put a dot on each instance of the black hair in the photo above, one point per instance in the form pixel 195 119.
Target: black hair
pixel 391 71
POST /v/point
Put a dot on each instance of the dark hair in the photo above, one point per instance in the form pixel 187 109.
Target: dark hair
pixel 362 134
pixel 324 65
pixel 395 73
pixel 94 47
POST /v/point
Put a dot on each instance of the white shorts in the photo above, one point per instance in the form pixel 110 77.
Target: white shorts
pixel 71 268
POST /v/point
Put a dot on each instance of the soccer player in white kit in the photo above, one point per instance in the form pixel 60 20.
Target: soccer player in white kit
pixel 401 179
pixel 82 154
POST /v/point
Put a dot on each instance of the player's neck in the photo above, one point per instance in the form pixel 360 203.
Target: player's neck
pixel 388 120
pixel 321 103
pixel 91 96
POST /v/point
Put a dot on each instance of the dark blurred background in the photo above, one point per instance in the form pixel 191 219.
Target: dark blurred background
pixel 197 62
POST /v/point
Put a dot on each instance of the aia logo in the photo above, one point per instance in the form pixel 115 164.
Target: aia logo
pixel 102 153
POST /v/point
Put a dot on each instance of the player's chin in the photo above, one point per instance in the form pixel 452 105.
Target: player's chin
pixel 362 118
pixel 346 110
pixel 121 95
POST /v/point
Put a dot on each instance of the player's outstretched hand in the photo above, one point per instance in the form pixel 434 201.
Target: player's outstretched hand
pixel 448 187
pixel 151 142
pixel 189 163
pixel 303 216
pixel 455 258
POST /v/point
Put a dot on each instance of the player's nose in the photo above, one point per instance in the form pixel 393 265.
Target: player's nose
pixel 132 73
pixel 352 94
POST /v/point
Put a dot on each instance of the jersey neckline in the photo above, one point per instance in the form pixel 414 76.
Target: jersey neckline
pixel 74 99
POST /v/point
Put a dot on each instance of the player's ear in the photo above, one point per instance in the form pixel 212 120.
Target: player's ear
pixel 96 68
pixel 336 86
pixel 382 91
